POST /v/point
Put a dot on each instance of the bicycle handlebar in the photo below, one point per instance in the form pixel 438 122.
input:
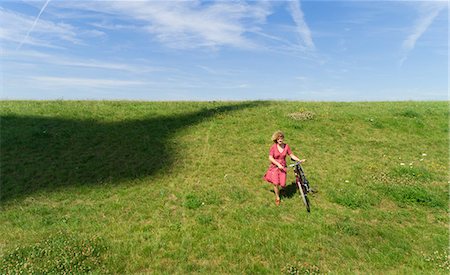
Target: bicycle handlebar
pixel 295 164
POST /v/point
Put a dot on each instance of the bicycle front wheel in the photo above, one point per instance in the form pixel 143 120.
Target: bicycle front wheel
pixel 303 195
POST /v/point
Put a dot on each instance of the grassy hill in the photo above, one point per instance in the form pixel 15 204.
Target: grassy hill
pixel 176 187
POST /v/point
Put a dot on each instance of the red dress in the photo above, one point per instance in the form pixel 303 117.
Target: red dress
pixel 275 175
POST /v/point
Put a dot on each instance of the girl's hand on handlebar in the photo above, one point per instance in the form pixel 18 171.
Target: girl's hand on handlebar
pixel 302 160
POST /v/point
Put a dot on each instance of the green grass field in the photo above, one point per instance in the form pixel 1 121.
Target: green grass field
pixel 176 187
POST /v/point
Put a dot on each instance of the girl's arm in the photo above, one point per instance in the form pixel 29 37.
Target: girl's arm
pixel 275 162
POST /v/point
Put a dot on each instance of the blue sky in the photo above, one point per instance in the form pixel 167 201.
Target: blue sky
pixel 224 50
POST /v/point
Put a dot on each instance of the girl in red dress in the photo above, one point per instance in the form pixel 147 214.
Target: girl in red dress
pixel 276 174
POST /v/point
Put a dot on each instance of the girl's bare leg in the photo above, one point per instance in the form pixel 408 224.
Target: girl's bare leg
pixel 277 191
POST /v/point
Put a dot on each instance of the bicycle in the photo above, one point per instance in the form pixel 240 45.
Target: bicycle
pixel 301 183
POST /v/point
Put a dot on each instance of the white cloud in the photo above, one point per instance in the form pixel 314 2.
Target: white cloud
pixel 83 82
pixel 40 58
pixel 302 28
pixel 111 26
pixel 187 24
pixel 302 78
pixel 15 27
pixel 175 24
pixel 428 11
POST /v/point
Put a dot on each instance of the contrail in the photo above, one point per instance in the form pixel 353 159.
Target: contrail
pixel 34 24
pixel 428 13
pixel 302 28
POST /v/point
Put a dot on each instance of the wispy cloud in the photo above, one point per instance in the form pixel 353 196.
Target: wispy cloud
pixel 84 82
pixel 174 24
pixel 187 24
pixel 40 58
pixel 16 26
pixel 302 28
pixel 428 11
pixel 111 26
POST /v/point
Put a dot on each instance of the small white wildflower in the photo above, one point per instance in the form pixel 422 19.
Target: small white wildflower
pixel 402 163
pixel 203 203
pixel 346 180
pixel 421 159
pixel 424 154
pixel 410 164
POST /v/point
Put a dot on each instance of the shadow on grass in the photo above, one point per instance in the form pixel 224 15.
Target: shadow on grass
pixel 288 191
pixel 44 153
